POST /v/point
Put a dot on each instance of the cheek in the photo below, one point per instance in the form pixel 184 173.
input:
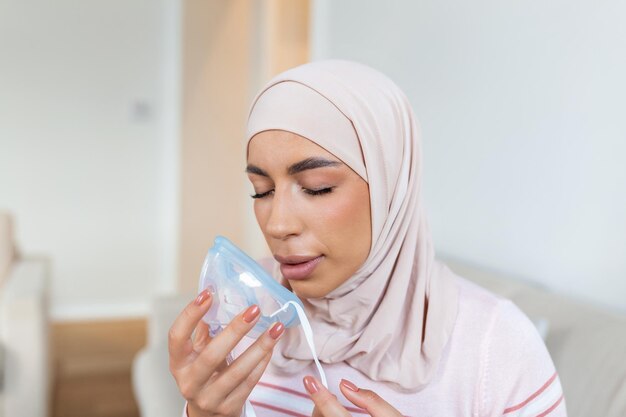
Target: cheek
pixel 344 223
pixel 261 212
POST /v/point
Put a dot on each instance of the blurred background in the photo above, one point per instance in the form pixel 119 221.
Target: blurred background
pixel 122 156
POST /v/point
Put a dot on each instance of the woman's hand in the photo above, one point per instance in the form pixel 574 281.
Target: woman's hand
pixel 211 387
pixel 327 405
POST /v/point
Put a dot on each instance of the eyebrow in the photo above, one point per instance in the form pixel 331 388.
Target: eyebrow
pixel 305 164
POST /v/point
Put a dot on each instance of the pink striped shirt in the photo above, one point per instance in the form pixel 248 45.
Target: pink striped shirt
pixel 495 364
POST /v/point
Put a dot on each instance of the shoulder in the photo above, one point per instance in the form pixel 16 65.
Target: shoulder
pixel 495 318
pixel 483 315
pixel 516 374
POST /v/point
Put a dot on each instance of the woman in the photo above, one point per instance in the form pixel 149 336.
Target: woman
pixel 335 161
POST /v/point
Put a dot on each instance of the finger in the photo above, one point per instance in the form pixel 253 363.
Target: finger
pixel 232 387
pixel 180 344
pixel 240 369
pixel 202 374
pixel 242 392
pixel 201 336
pixel 327 404
pixel 221 345
pixel 368 400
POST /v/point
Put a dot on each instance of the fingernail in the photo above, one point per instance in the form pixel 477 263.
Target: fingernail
pixel 349 385
pixel 311 384
pixel 251 313
pixel 276 330
pixel 202 297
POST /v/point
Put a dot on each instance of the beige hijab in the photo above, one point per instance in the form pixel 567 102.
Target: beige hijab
pixel 393 318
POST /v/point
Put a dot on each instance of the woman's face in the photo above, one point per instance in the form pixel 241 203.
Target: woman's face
pixel 313 210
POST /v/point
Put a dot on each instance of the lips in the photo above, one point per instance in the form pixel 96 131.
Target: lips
pixel 297 267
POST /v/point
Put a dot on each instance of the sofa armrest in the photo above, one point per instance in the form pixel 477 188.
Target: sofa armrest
pixel 154 387
pixel 24 337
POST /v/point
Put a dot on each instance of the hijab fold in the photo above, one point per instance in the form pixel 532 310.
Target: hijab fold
pixel 393 318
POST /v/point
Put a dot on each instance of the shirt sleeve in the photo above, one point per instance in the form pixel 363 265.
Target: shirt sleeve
pixel 518 376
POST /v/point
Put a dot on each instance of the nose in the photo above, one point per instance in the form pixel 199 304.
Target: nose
pixel 283 221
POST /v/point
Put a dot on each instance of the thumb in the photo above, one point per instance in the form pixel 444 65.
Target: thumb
pixel 368 400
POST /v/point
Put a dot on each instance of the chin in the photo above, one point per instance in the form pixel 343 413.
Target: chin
pixel 307 289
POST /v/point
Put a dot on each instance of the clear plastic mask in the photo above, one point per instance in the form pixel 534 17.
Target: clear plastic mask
pixel 236 282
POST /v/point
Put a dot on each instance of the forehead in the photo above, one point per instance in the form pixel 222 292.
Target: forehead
pixel 280 147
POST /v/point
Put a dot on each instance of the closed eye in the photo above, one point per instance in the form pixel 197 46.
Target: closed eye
pixel 319 192
pixel 261 195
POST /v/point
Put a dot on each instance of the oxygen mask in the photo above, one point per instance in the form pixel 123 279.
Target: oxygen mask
pixel 236 282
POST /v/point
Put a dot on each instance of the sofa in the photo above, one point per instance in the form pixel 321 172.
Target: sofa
pixel 24 330
pixel 154 387
pixel 587 344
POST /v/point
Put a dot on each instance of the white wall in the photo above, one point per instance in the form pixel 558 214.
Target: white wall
pixel 523 110
pixel 88 149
